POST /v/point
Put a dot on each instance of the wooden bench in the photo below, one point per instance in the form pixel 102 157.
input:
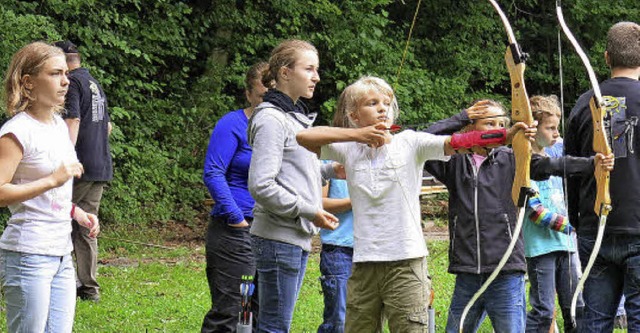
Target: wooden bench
pixel 430 186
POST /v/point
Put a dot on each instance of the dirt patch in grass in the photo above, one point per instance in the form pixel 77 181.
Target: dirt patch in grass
pixel 179 233
pixel 182 233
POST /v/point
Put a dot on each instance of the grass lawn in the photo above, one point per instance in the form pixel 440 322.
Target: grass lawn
pixel 148 289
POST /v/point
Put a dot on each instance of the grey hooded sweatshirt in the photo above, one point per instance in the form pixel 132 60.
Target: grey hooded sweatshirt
pixel 284 177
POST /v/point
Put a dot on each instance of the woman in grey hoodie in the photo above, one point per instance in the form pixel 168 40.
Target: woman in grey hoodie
pixel 285 181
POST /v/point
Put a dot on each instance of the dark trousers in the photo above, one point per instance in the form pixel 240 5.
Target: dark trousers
pixel 615 272
pixel 87 195
pixel 229 257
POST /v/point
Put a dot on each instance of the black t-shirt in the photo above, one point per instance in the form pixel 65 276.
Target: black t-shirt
pixel 86 100
pixel 622 97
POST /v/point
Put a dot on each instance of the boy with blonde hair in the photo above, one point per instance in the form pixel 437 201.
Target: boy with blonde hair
pixel 549 238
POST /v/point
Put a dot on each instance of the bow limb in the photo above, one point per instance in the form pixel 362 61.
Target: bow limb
pixel 602 204
pixel 520 112
pixel 520 108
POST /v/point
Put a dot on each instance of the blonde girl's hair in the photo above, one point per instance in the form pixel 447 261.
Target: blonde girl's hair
pixel 354 93
pixel 545 106
pixel 491 103
pixel 340 118
pixel 284 55
pixel 27 61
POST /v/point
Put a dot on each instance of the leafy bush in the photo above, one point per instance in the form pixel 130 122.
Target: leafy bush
pixel 172 68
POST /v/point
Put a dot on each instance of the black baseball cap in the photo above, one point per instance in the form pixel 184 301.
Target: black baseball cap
pixel 66 46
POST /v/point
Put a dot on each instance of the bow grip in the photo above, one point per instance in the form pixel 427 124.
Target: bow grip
pixel 602 204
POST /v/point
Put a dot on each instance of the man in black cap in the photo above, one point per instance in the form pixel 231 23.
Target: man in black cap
pixel 89 128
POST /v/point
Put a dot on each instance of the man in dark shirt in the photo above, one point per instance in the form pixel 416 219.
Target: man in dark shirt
pixel 89 125
pixel 616 270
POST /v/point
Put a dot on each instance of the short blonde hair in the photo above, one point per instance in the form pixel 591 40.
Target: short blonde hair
pixel 354 93
pixel 27 61
pixel 545 106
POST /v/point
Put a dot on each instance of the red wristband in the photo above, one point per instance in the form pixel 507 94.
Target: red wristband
pixel 478 138
pixel 73 209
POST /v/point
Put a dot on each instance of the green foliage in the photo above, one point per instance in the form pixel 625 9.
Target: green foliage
pixel 143 53
pixel 171 68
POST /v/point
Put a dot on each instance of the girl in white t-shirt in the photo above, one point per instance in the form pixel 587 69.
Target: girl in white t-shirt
pixel 384 175
pixel 38 161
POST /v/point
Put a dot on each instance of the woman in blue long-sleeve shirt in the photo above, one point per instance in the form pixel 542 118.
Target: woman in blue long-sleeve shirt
pixel 228 244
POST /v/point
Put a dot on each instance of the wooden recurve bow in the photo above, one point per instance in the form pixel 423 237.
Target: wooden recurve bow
pixel 520 112
pixel 602 205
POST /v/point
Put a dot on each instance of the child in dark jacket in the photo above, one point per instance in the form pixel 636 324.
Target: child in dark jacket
pixel 482 217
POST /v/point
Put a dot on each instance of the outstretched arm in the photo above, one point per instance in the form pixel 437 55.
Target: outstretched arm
pixel 470 141
pixel 542 167
pixel 315 137
pixel 543 217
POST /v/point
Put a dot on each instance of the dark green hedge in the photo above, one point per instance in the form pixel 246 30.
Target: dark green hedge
pixel 172 68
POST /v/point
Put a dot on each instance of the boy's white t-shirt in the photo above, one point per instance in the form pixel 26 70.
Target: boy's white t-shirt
pixel 384 186
pixel 41 225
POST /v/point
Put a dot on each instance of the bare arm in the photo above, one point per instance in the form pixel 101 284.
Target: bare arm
pixel 10 156
pixel 477 142
pixel 315 137
pixel 74 125
pixel 334 205
pixel 72 107
pixel 87 220
pixel 448 151
pixel 109 128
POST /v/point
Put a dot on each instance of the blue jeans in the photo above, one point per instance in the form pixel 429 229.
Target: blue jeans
pixel 280 268
pixel 616 271
pixel 503 301
pixel 335 267
pixel 551 273
pixel 40 292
